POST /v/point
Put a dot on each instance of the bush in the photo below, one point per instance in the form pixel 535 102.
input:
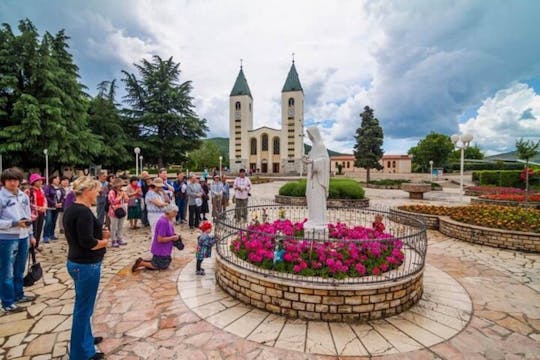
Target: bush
pixel 339 189
pixel 389 182
pixel 482 166
pixel 504 178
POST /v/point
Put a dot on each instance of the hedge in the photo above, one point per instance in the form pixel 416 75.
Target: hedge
pixel 506 178
pixel 339 189
pixel 482 166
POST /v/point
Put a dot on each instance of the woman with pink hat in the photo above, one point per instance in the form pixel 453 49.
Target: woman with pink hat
pixel 38 204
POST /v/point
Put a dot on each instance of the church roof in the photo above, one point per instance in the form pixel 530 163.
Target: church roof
pixel 292 83
pixel 241 86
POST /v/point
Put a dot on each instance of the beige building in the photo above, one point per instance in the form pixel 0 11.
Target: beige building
pixel 266 150
pixel 392 164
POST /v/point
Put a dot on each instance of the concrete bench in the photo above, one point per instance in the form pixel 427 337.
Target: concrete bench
pixel 416 191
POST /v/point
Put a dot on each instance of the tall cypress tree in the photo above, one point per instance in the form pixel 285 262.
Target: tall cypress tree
pixel 369 139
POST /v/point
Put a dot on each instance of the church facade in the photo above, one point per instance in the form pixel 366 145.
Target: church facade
pixel 267 150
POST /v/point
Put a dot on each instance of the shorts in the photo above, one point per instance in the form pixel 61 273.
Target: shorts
pixel 161 262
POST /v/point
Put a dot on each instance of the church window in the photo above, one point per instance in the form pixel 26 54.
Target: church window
pixel 291 102
pixel 249 107
pixel 253 146
pixel 276 145
pixel 264 142
pixel 237 105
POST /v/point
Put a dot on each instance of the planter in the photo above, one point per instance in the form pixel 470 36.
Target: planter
pixel 416 191
pixel 431 221
pixel 504 239
pixel 530 204
pixel 330 203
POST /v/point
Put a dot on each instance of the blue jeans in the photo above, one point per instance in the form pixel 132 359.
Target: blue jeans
pixel 50 224
pixel 181 203
pixel 13 254
pixel 86 278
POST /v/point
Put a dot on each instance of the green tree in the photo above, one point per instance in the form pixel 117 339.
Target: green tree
pixel 369 139
pixel 163 110
pixel 527 149
pixel 206 157
pixel 471 153
pixel 436 147
pixel 43 105
pixel 106 122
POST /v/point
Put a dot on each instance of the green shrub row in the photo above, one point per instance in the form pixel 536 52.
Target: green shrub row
pixel 339 189
pixel 506 178
pixel 389 182
pixel 483 166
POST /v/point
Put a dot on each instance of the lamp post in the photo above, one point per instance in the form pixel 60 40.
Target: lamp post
pixel 220 160
pixel 141 158
pixel 46 152
pixel 461 142
pixel 187 170
pixel 137 151
pixel 430 170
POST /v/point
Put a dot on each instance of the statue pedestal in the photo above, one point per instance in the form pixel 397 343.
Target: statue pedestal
pixel 315 231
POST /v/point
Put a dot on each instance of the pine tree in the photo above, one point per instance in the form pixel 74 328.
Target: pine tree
pixel 369 140
pixel 47 108
pixel 163 109
pixel 106 122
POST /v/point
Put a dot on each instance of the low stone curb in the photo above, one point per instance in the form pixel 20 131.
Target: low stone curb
pixel 330 203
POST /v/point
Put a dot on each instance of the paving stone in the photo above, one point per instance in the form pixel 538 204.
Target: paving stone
pixel 47 323
pixel 43 344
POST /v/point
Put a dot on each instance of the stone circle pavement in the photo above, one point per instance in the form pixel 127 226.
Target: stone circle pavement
pixel 479 302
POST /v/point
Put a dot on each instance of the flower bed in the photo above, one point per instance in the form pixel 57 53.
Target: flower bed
pixel 485 190
pixel 349 252
pixel 512 197
pixel 499 217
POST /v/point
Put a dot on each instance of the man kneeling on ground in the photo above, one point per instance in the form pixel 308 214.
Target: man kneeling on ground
pixel 164 240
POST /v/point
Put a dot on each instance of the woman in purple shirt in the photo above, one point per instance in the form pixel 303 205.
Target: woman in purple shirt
pixel 162 243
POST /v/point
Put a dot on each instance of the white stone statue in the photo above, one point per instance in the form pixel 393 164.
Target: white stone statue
pixel 318 181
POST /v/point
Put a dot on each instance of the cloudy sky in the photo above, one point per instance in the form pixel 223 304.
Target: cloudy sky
pixel 443 66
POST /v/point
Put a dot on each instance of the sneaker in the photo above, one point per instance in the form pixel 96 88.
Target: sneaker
pixel 45 240
pixel 98 356
pixel 199 272
pixel 26 298
pixel 122 242
pixel 12 308
pixel 115 244
pixel 53 238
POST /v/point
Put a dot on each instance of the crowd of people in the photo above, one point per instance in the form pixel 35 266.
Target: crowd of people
pixel 32 214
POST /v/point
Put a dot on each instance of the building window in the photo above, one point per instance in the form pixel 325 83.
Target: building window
pixel 348 165
pixel 291 102
pixel 249 107
pixel 237 106
pixel 253 146
pixel 276 145
pixel 388 164
pixel 394 164
pixel 264 142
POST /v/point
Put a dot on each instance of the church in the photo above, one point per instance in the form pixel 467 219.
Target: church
pixel 266 150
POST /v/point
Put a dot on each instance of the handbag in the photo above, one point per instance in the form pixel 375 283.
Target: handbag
pixel 119 212
pixel 35 272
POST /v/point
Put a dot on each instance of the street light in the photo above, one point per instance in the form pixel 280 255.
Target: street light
pixel 430 170
pixel 137 151
pixel 220 159
pixel 141 158
pixel 461 142
pixel 46 152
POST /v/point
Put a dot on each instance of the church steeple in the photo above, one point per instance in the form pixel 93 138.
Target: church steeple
pixel 292 83
pixel 240 85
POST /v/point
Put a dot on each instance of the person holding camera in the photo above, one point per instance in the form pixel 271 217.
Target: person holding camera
pixel 242 190
pixel 87 242
pixel 118 199
pixel 15 231
pixel 163 241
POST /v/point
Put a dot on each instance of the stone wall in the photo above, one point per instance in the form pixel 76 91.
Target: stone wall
pixel 298 299
pixel 431 221
pixel 330 203
pixel 514 240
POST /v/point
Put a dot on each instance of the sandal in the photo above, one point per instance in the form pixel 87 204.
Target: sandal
pixel 137 264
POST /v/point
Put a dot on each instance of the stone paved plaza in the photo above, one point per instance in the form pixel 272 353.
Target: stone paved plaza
pixel 478 302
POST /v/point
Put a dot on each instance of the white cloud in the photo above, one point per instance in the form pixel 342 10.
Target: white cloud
pixel 510 114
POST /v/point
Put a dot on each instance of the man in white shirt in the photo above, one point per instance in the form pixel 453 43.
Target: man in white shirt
pixel 242 191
